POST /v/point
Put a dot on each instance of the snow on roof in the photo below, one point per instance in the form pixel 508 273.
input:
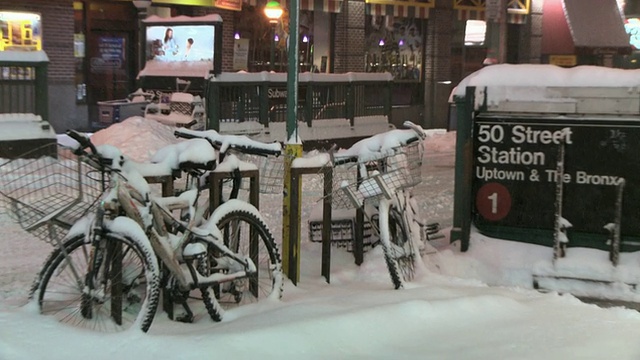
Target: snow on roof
pixel 198 69
pixel 525 87
pixel 542 75
pixel 154 19
pixel 24 56
pixel 20 117
pixel 19 126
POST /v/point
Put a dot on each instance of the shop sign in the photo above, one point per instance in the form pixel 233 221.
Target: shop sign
pixel 563 60
pixel 20 31
pixel 111 51
pixel 240 54
pixel 228 4
pixel 515 173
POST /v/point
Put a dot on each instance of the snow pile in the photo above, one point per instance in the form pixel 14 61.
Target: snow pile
pixel 136 137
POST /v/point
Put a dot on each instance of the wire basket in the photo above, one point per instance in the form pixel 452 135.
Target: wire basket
pixel 271 171
pixel 397 169
pixel 46 190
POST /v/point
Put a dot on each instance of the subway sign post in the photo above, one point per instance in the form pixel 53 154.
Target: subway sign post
pixel 516 178
pixel 549 156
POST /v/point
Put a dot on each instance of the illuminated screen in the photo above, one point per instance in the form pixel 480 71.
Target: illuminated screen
pixel 20 31
pixel 177 42
pixel 632 27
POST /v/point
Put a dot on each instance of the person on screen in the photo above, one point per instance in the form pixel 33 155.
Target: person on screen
pixel 169 46
pixel 188 48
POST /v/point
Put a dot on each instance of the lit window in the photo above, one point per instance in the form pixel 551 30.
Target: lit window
pixel 474 33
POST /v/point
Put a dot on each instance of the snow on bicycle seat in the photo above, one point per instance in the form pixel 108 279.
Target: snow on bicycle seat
pixel 186 155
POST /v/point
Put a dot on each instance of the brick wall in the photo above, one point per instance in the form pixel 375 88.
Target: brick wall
pixel 227 33
pixel 532 36
pixel 57 29
pixel 350 37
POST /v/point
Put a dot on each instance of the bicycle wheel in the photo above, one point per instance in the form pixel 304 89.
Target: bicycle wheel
pixel 246 233
pixel 402 249
pixel 125 287
pixel 396 245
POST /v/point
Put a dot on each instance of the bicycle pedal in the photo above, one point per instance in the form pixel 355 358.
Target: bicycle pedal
pixel 433 226
pixel 435 237
pixel 185 318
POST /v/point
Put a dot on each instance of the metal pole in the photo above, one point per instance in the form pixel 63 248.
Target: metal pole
pixel 272 59
pixel 293 149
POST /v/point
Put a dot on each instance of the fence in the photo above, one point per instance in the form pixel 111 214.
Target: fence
pixel 23 83
pixel 262 97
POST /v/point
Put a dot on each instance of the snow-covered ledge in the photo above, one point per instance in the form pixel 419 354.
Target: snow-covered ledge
pixel 553 89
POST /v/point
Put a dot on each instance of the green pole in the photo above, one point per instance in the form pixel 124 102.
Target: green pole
pixel 461 228
pixel 293 149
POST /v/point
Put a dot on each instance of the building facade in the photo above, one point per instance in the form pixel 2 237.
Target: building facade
pixel 428 45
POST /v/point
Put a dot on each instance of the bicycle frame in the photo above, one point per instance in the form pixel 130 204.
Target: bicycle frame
pixel 125 200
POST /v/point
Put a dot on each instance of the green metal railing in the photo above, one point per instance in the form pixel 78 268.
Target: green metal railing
pixel 261 97
pixel 23 88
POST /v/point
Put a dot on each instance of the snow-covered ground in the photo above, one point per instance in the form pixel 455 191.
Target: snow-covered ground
pixel 474 305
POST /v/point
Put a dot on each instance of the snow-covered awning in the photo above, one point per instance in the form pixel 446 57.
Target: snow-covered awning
pixel 24 56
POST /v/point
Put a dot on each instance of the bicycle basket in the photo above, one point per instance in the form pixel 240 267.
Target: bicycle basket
pixel 395 170
pixel 271 171
pixel 48 186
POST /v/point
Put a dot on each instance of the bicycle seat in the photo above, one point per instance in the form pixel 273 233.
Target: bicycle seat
pixel 192 154
pixel 189 165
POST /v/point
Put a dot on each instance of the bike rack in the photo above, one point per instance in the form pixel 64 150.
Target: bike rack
pixel 295 223
pixel 217 177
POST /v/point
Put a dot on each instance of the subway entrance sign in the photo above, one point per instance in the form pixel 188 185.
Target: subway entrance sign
pixel 515 177
pixel 548 155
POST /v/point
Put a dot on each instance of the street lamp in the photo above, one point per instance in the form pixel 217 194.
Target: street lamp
pixel 273 11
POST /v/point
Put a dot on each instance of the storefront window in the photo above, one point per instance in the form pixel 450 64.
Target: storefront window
pixel 394 45
pixel 20 31
pixel 252 26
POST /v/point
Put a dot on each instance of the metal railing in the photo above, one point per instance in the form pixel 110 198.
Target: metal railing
pixel 23 88
pixel 261 97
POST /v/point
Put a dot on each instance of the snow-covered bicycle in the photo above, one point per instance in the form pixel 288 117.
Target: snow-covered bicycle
pixel 112 266
pixel 389 164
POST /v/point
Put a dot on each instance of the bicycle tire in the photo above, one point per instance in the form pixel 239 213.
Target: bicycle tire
pixel 402 250
pixel 60 295
pixel 396 247
pixel 237 224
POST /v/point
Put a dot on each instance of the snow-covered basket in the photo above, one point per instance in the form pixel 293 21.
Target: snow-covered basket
pixel 394 169
pixel 47 189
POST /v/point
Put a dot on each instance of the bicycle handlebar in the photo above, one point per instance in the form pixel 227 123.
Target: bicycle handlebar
pixel 83 140
pixel 97 160
pixel 242 144
pixel 351 157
